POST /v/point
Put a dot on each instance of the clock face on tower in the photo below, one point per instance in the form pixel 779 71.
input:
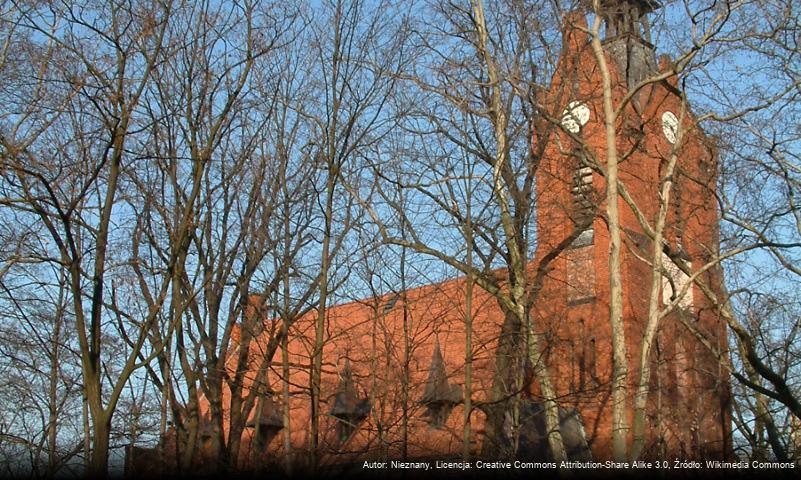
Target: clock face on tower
pixel 670 126
pixel 575 116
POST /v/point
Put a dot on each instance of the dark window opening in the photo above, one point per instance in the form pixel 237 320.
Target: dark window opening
pixel 264 436
pixel 266 420
pixel 349 418
pixel 205 433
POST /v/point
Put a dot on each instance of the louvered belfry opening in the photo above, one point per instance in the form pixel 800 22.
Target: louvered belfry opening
pixel 266 419
pixel 439 396
pixel 581 193
pixel 349 409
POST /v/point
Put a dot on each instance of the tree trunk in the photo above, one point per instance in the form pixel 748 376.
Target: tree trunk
pixel 287 433
pixel 654 314
pixel 319 327
pixel 468 333
pixel 407 360
pixel 52 398
pixel 87 435
pixel 514 241
pixel 101 429
pixel 619 362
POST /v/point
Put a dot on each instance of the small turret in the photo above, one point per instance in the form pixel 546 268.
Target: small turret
pixel 440 396
pixel 349 409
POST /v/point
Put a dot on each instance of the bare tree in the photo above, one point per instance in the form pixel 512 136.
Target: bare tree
pixel 206 202
pixel 478 102
pixel 179 183
pixel 358 47
pixel 68 176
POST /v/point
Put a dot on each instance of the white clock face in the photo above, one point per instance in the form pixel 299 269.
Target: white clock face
pixel 575 116
pixel 670 126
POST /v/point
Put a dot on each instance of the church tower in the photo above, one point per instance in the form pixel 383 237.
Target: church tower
pixel 688 403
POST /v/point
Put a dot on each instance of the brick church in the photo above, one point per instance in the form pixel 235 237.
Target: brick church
pixel 394 366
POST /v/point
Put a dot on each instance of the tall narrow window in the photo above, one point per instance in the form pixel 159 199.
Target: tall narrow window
pixel 582 356
pixel 571 354
pixel 591 361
